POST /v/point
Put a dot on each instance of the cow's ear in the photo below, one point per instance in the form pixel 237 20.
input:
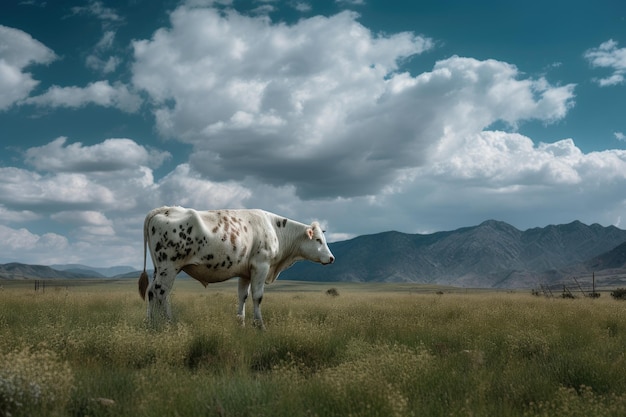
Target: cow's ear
pixel 309 232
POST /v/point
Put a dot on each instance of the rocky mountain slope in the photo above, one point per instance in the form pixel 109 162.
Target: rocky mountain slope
pixel 492 254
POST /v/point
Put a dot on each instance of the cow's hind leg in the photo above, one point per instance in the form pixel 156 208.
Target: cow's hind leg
pixel 242 292
pixel 159 294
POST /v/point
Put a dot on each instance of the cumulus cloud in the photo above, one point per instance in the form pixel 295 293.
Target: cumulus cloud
pixel 101 93
pixel 608 55
pixel 185 187
pixel 110 155
pixel 115 174
pixel 21 244
pixel 25 190
pixel 619 136
pixel 21 216
pixel 323 104
pixel 19 50
pixel 90 222
pixel 498 160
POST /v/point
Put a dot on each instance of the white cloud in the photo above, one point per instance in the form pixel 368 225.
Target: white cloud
pixel 90 222
pixel 184 187
pixel 89 217
pixel 98 60
pixel 110 155
pixel 608 55
pixel 18 50
pixel 323 103
pixel 105 66
pixel 498 160
pixel 25 190
pixel 21 216
pixel 619 136
pixel 101 93
pixel 106 42
pixel 98 10
pixel 113 175
pixel 301 6
pixel 351 2
pixel 21 243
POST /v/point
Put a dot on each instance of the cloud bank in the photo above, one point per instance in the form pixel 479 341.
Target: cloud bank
pixel 320 119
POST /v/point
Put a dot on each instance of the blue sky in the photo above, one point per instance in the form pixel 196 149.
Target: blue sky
pixel 365 115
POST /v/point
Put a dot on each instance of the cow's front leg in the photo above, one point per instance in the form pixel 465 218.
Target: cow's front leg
pixel 257 287
pixel 242 292
pixel 257 284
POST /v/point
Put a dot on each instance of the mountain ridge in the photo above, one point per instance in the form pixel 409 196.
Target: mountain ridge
pixel 491 254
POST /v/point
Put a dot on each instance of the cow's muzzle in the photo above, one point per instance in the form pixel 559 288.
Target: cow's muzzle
pixel 331 260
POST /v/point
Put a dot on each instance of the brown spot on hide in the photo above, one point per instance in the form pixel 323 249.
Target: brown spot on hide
pixel 215 229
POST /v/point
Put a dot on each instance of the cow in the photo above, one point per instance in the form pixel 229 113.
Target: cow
pixel 217 245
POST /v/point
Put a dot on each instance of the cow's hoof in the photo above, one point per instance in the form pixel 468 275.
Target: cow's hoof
pixel 259 325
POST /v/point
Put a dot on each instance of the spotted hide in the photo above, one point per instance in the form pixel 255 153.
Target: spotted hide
pixel 214 246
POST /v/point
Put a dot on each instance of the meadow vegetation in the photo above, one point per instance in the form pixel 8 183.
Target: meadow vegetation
pixel 378 350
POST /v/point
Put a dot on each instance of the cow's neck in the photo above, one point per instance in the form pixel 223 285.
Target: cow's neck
pixel 289 238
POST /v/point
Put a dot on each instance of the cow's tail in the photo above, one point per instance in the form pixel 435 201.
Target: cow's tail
pixel 143 278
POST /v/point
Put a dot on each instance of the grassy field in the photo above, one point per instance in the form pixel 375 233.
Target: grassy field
pixel 373 350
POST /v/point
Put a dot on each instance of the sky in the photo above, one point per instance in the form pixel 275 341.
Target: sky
pixel 365 115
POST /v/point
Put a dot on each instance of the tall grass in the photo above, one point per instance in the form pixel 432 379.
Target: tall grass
pixel 367 353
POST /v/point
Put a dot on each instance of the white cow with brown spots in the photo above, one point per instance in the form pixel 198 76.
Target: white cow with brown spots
pixel 216 245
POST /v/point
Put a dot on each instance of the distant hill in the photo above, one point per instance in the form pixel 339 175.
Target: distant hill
pixel 94 271
pixel 492 254
pixel 23 271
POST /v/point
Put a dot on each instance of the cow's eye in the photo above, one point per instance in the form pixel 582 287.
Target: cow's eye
pixel 319 241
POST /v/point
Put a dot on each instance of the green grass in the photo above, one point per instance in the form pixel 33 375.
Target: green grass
pixel 374 350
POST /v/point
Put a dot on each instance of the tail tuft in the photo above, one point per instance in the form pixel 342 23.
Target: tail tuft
pixel 143 284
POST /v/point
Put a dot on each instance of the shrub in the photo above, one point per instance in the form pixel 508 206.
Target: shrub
pixel 619 294
pixel 332 292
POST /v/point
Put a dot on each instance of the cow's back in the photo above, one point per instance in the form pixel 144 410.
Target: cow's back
pixel 210 246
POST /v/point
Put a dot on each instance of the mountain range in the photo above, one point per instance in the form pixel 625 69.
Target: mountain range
pixel 493 254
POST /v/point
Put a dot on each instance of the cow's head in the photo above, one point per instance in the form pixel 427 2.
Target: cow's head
pixel 315 248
